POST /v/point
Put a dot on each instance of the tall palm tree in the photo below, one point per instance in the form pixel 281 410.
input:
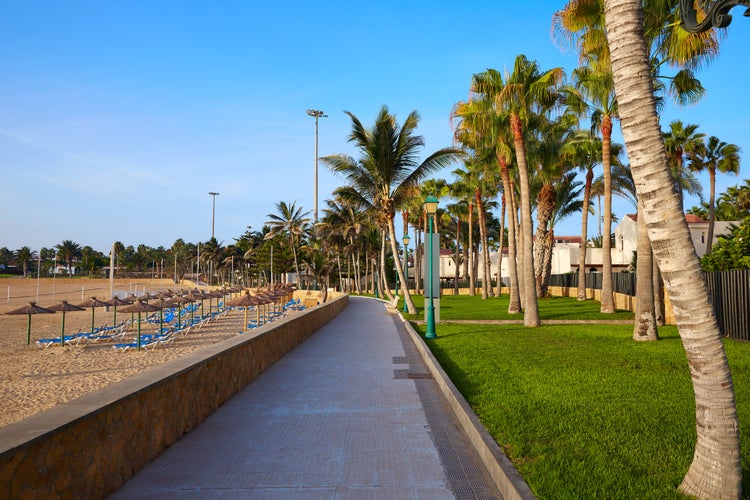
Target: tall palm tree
pixel 715 155
pixel 682 142
pixel 526 90
pixel 68 251
pixel 387 171
pixel 291 222
pixel 716 469
pixel 24 256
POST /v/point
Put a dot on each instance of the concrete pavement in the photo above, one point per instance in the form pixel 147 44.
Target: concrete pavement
pixel 350 413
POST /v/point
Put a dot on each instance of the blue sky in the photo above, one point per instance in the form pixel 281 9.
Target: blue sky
pixel 118 118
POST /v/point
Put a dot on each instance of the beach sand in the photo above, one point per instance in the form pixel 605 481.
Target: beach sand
pixel 33 378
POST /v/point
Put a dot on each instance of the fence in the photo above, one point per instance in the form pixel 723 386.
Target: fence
pixel 729 292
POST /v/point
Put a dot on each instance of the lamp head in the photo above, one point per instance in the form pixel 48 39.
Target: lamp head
pixel 406 239
pixel 430 205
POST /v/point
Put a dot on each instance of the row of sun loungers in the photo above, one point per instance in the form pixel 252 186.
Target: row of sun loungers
pixel 115 332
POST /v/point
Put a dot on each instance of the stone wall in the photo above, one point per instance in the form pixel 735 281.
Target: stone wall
pixel 89 447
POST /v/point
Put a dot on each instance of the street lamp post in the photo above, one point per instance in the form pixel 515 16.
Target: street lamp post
pixel 317 114
pixel 406 241
pixel 430 205
pixel 213 211
pixel 715 14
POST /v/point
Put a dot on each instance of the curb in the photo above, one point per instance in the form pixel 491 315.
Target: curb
pixel 502 472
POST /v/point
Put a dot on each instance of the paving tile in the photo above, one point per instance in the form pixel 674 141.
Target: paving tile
pixel 329 420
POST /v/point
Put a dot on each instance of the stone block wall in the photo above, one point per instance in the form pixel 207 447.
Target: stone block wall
pixel 89 447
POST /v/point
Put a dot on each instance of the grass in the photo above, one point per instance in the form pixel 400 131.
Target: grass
pixel 582 410
pixel 466 307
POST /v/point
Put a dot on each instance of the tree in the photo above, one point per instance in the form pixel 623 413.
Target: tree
pixel 291 222
pixel 715 155
pixel 526 90
pixel 24 256
pixel 730 252
pixel 681 142
pixel 68 251
pixel 716 469
pixel 386 173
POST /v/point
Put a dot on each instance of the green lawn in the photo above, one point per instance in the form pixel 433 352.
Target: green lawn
pixel 582 410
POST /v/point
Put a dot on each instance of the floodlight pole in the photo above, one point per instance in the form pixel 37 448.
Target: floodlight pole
pixel 317 114
pixel 213 211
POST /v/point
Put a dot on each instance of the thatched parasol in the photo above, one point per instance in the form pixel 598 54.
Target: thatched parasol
pixel 64 307
pixel 162 303
pixel 179 300
pixel 30 308
pixel 93 303
pixel 114 302
pixel 246 301
pixel 140 306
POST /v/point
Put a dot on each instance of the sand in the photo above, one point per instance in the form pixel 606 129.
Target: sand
pixel 33 378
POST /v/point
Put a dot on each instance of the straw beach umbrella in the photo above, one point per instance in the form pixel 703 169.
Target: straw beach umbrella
pixel 139 307
pixel 246 301
pixel 64 307
pixel 114 302
pixel 30 308
pixel 93 303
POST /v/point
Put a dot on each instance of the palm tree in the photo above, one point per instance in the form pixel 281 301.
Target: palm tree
pixel 715 155
pixel 716 469
pixel 291 222
pixel 68 251
pixel 387 172
pixel 681 141
pixel 526 91
pixel 24 256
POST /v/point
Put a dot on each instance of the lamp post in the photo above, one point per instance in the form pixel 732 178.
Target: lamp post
pixel 213 211
pixel 430 205
pixel 406 241
pixel 317 114
pixel 715 14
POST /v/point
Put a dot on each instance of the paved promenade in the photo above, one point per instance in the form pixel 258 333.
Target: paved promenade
pixel 350 413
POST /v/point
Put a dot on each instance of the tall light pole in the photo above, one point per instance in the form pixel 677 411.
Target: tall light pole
pixel 406 241
pixel 213 211
pixel 430 205
pixel 317 114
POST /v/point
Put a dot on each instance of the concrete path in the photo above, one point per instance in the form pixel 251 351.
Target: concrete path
pixel 350 413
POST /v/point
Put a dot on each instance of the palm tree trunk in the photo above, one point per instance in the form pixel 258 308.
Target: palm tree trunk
pixel 383 281
pixel 644 327
pixel 545 206
pixel 607 299
pixel 470 256
pixel 514 305
pixel 456 257
pixel 716 469
pixel 531 308
pixel 500 250
pixel 549 243
pixel 711 208
pixel 486 283
pixel 584 235
pixel 400 269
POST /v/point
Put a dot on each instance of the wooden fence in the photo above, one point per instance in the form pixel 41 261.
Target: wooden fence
pixel 729 293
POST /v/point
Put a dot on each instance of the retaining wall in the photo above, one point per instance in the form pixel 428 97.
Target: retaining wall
pixel 90 446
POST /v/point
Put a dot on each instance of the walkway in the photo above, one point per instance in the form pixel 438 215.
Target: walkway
pixel 350 413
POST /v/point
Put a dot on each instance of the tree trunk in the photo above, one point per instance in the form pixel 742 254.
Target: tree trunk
pixel 514 305
pixel 485 259
pixel 383 281
pixel 549 244
pixel 456 257
pixel 500 250
pixel 607 299
pixel 711 208
pixel 584 236
pixel 658 293
pixel 545 206
pixel 644 327
pixel 470 256
pixel 400 269
pixel 716 469
pixel 531 309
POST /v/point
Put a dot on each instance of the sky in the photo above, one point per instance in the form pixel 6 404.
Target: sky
pixel 118 118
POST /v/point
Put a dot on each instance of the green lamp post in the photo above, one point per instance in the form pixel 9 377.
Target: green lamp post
pixel 430 205
pixel 406 241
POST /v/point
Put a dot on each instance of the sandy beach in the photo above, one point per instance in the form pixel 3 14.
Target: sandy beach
pixel 34 378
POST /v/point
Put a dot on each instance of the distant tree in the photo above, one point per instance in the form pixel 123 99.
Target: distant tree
pixel 291 222
pixel 68 251
pixel 22 256
pixel 6 256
